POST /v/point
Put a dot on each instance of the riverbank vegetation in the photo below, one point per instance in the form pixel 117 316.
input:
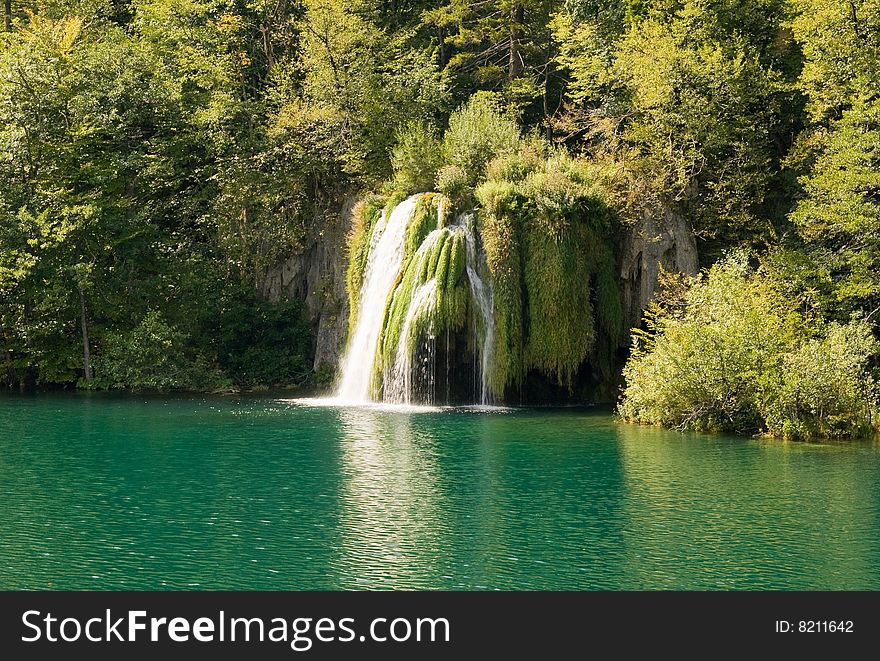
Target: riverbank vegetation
pixel 159 157
pixel 732 351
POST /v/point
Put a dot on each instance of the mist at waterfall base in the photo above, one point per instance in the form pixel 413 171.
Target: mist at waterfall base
pixel 425 371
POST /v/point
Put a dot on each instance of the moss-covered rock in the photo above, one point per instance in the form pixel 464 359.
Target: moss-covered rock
pixel 431 297
pixel 546 232
pixel 544 229
pixel 366 215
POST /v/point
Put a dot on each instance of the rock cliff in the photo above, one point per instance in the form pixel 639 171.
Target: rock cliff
pixel 660 238
pixel 316 276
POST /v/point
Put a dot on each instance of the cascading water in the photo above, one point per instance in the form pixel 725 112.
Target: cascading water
pixel 383 266
pixel 481 295
pixel 408 301
pixel 398 379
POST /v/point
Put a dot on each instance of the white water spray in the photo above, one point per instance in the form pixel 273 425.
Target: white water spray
pixel 383 266
pixel 409 378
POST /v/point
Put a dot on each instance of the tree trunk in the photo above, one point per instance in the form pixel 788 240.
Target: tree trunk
pixel 515 62
pixel 441 37
pixel 87 357
pixel 8 15
pixel 548 129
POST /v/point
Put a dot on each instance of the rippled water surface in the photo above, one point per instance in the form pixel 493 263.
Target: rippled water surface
pixel 106 492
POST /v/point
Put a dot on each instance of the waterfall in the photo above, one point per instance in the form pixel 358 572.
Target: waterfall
pixel 481 295
pixel 383 267
pixel 407 301
pixel 398 378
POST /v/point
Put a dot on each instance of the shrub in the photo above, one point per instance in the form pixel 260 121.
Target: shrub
pixel 416 159
pixel 735 355
pixel 453 182
pixel 517 165
pixel 825 389
pixel 478 131
pixel 154 356
pixel 265 343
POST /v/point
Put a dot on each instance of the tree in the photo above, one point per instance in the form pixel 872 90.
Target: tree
pixel 839 213
pixel 366 84
pixel 69 128
pixel 502 46
pixel 696 105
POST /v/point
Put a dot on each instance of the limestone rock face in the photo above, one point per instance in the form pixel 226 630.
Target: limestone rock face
pixel 316 276
pixel 659 238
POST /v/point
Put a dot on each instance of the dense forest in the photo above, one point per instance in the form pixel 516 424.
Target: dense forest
pixel 159 158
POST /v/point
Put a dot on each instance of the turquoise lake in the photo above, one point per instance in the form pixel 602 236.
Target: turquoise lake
pixel 132 492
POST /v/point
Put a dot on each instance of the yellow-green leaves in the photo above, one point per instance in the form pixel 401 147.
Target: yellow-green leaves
pixel 738 356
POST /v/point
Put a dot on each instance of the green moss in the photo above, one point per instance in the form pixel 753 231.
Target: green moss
pixel 395 198
pixel 437 261
pixel 561 327
pixel 457 261
pixel 545 232
pixel 365 216
pixel 500 235
pixel 423 222
pixel 442 267
pixel 433 257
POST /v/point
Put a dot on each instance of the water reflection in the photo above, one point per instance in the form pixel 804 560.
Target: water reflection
pixel 390 522
pixel 116 493
pixel 724 513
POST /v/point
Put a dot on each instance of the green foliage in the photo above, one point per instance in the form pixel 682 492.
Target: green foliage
pixel 824 388
pixel 504 46
pixel 838 156
pixel 478 131
pixel 841 50
pixel 134 182
pixel 839 216
pixel 735 355
pixel 367 83
pixel 152 356
pixel 453 182
pixel 696 99
pixel 415 159
pixel 263 343
pixel 545 230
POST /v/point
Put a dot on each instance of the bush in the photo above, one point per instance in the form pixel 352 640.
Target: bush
pixel 825 389
pixel 452 181
pixel 416 159
pixel 735 355
pixel 517 165
pixel 265 343
pixel 154 356
pixel 478 131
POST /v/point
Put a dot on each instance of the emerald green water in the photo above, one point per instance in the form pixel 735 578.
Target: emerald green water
pixel 104 492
